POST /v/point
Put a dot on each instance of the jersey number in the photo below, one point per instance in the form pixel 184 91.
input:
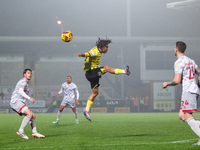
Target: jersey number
pixel 192 74
pixel 185 103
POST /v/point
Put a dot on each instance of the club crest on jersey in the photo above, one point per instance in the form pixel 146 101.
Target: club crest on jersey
pixel 99 73
pixel 93 53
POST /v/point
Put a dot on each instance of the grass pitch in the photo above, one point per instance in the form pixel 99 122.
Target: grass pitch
pixel 138 131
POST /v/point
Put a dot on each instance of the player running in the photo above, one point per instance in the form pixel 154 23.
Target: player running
pixel 68 88
pixel 185 69
pixel 18 99
pixel 93 71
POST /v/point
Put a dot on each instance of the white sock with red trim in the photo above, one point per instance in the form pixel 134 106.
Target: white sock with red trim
pixel 76 116
pixel 197 121
pixel 58 115
pixel 194 125
pixel 33 125
pixel 25 121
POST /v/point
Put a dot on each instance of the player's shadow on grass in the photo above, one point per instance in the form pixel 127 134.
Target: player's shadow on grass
pixel 62 125
pixel 54 135
pixel 19 141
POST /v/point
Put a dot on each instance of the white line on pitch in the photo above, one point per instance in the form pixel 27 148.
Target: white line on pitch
pixel 101 145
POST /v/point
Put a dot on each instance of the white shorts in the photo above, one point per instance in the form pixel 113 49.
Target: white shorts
pixel 71 104
pixel 189 102
pixel 18 107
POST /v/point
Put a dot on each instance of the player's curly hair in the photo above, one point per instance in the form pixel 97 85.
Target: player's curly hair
pixel 100 43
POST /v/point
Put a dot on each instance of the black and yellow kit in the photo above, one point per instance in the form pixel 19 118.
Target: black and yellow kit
pixel 91 67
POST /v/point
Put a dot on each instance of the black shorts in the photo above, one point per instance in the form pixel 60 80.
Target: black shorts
pixel 93 77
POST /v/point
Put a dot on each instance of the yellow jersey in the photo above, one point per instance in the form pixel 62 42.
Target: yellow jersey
pixel 92 59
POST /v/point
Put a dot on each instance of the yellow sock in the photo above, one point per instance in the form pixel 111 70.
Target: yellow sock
pixel 89 105
pixel 119 71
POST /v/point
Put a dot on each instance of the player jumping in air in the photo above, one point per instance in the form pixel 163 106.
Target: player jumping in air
pixel 18 99
pixel 185 69
pixel 68 88
pixel 93 71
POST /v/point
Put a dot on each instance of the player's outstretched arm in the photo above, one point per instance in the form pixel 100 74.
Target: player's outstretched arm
pixel 80 55
pixel 77 96
pixel 32 100
pixel 197 71
pixel 198 81
pixel 56 94
pixel 61 91
pixel 77 102
pixel 175 81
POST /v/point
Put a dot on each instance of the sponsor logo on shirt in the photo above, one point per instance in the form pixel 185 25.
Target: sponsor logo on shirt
pixel 68 90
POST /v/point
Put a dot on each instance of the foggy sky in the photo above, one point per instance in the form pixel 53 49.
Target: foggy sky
pixel 95 18
pixel 88 18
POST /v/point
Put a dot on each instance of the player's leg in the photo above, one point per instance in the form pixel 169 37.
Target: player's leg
pixel 93 77
pixel 71 103
pixel 193 124
pixel 189 105
pixel 33 124
pixel 32 119
pixel 197 121
pixel 195 118
pixel 25 121
pixel 91 98
pixel 181 115
pixel 75 114
pixel 59 114
pixel 116 71
pixel 90 102
pixel 19 108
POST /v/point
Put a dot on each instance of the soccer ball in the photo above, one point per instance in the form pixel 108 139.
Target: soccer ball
pixel 67 36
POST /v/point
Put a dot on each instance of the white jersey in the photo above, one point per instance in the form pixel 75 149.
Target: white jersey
pixel 68 90
pixel 16 96
pixel 186 66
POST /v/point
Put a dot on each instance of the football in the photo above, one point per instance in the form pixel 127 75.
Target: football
pixel 67 36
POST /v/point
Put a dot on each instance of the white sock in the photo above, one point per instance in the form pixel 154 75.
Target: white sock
pixel 197 121
pixel 124 71
pixel 33 125
pixel 58 115
pixel 194 125
pixel 76 116
pixel 24 123
pixel 87 109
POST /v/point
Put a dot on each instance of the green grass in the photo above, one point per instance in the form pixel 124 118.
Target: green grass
pixel 140 131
